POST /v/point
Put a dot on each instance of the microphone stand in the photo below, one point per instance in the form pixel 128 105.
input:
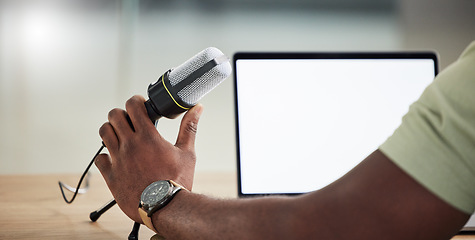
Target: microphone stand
pixel 134 234
pixel 96 214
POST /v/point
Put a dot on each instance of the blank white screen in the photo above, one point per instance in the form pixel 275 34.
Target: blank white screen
pixel 305 123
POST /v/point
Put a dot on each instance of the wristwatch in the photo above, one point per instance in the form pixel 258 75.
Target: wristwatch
pixel 156 196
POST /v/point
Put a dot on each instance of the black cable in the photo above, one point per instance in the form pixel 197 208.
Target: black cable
pixel 61 185
pixel 134 234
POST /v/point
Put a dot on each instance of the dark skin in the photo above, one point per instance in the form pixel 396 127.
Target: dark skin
pixel 375 200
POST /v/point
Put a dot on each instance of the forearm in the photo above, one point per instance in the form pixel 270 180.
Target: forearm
pixel 194 216
pixel 373 201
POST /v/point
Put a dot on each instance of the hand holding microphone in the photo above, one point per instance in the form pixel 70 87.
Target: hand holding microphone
pixel 139 156
pixel 137 152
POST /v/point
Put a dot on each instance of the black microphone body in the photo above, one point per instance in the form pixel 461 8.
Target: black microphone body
pixel 162 102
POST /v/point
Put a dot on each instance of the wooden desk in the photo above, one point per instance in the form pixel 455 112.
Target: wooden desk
pixel 31 207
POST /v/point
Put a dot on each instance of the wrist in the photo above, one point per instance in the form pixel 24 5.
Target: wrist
pixel 169 220
pixel 156 197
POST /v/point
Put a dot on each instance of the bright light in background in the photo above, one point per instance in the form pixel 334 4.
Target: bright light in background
pixel 41 30
pixel 55 42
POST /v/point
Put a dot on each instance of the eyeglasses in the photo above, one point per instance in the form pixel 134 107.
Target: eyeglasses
pixel 134 234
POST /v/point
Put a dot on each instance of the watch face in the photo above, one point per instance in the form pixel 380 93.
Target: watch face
pixel 155 192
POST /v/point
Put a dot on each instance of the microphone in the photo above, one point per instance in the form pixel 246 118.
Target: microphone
pixel 179 89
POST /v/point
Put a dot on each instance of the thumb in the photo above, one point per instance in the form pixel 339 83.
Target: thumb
pixel 189 127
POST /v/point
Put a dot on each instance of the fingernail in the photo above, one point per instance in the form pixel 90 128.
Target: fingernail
pixel 199 109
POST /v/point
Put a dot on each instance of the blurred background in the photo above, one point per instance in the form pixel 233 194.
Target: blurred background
pixel 65 64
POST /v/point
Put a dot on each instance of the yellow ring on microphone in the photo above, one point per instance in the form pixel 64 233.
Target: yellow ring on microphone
pixel 172 96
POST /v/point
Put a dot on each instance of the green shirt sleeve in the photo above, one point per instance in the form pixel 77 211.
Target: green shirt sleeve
pixel 435 143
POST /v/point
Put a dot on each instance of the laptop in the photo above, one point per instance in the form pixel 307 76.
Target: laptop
pixel 314 116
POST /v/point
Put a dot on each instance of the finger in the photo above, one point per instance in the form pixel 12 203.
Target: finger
pixel 107 133
pixel 135 106
pixel 118 120
pixel 189 127
pixel 104 163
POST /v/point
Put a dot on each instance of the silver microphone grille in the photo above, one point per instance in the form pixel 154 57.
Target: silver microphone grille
pixel 193 91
